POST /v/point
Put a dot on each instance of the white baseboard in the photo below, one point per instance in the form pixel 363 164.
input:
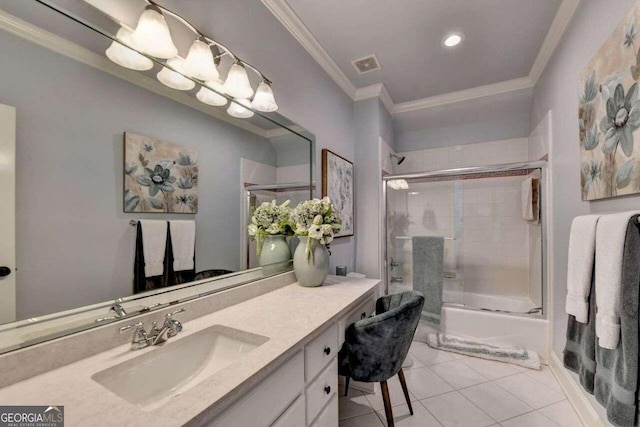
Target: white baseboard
pixel 575 394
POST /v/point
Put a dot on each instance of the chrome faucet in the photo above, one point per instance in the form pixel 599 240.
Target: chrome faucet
pixel 156 335
pixel 115 308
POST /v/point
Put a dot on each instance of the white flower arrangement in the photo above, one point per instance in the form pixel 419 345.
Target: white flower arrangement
pixel 316 219
pixel 270 219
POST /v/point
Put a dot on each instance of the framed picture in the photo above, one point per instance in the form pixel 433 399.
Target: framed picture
pixel 337 184
pixel 159 177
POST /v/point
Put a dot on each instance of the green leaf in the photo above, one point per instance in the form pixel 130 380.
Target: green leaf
pixel 623 176
pixel 626 140
pixel 131 203
pixel 156 203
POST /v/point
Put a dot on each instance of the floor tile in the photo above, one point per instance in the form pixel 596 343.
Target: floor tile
pixel 530 391
pixel 395 394
pixel 495 401
pixel 519 368
pixel 368 420
pixel 416 362
pixel 532 419
pixel 562 413
pixel 454 410
pixel 546 377
pixel 457 374
pixel 403 418
pixel 429 356
pixel 353 405
pixel 423 383
pixel 490 368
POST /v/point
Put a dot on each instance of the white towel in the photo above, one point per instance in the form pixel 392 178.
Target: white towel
pixel 154 245
pixel 610 237
pixel 183 242
pixel 582 251
pixel 526 191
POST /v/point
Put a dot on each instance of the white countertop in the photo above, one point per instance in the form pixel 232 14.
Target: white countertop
pixel 288 316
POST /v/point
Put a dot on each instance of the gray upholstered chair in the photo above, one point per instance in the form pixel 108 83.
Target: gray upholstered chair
pixel 375 348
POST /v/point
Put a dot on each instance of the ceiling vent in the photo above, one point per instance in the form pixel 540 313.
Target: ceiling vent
pixel 367 64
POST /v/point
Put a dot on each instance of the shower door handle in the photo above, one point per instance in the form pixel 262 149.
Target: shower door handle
pixel 5 271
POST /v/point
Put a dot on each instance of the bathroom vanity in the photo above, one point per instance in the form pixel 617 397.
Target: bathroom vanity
pixel 267 360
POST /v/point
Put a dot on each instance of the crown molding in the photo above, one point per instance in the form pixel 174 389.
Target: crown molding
pixel 558 27
pixel 55 43
pixel 296 27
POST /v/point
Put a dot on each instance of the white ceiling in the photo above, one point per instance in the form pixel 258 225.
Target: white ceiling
pixel 503 41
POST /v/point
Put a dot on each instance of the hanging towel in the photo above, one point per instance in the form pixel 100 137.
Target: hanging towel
pixel 610 236
pixel 154 246
pixel 526 191
pixel 582 251
pixel 428 257
pixel 183 241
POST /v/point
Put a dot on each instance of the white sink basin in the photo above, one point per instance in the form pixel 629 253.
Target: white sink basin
pixel 165 371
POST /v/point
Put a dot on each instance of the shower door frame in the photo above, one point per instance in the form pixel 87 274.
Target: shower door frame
pixel 471 170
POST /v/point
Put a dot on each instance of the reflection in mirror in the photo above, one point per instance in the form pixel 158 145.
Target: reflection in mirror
pixel 129 195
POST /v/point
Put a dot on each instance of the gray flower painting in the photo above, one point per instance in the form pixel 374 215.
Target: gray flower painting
pixel 159 176
pixel 338 185
pixel 609 115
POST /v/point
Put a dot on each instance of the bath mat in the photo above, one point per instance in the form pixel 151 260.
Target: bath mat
pixel 515 356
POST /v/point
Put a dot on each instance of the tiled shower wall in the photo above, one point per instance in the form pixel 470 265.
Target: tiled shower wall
pixel 491 253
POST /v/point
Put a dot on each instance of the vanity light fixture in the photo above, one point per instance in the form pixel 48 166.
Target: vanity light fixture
pixel 237 109
pixel 152 38
pixel 119 53
pixel 452 40
pixel 210 97
pixel 152 34
pixel 174 77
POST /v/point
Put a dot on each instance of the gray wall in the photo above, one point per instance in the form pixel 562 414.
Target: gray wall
pixel 558 90
pixel 74 244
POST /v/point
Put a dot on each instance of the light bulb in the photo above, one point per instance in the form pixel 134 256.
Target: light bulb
pixel 124 56
pixel 238 109
pixel 264 100
pixel 199 63
pixel 237 83
pixel 210 97
pixel 453 39
pixel 152 35
pixel 175 79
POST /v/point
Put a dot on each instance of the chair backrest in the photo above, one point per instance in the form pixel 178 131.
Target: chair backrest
pixel 378 345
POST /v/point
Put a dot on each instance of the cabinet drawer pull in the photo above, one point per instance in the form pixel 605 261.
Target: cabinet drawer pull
pixel 327 350
pixel 327 389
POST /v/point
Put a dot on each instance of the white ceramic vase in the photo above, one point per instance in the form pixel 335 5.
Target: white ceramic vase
pixel 311 270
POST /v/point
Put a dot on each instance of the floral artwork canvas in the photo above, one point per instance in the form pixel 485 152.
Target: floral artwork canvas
pixel 609 115
pixel 337 184
pixel 159 177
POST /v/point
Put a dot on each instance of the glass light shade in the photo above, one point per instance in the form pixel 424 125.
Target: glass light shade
pixel 124 56
pixel 264 99
pixel 199 63
pixel 237 83
pixel 173 79
pixel 208 96
pixel 152 35
pixel 237 109
pixel 398 184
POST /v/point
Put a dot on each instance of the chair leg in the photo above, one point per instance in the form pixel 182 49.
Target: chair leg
pixel 346 385
pixel 387 403
pixel 403 383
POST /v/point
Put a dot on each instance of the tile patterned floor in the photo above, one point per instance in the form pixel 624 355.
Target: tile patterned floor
pixel 450 390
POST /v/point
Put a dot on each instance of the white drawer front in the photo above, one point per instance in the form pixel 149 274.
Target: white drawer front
pixel 320 391
pixel 293 416
pixel 363 311
pixel 269 399
pixel 329 415
pixel 319 352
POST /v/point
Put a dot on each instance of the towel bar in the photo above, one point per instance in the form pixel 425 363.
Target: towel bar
pixel 411 237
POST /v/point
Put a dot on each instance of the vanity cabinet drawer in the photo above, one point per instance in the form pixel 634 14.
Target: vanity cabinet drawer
pixel 293 416
pixel 363 311
pixel 329 415
pixel 319 352
pixel 270 398
pixel 321 390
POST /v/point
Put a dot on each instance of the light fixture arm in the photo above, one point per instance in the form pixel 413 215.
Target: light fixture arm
pixel 210 41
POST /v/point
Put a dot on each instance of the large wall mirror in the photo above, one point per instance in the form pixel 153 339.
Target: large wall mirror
pixel 88 149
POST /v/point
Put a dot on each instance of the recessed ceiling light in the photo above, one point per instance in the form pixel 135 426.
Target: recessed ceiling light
pixel 453 39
